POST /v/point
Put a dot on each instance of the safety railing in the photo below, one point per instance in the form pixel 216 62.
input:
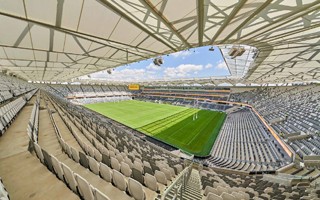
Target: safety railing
pixel 178 186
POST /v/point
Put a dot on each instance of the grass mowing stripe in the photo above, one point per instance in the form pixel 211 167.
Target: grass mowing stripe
pixel 135 113
pixel 188 125
pixel 215 130
pixel 200 128
pixel 171 124
pixel 159 125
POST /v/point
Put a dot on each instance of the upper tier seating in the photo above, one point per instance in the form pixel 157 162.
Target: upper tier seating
pixel 100 99
pixel 9 110
pixel 61 90
pixel 12 87
pixel 96 92
pixel 184 102
pixel 211 93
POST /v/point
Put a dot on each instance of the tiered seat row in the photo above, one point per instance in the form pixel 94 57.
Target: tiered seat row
pixel 187 102
pixel 78 180
pixel 245 144
pixel 10 110
pixel 98 90
pixel 130 155
pixel 212 93
pixel 12 87
pixel 30 94
pixel 232 186
pixel 119 137
pixel 74 181
pixel 76 90
pixel 87 91
pixel 33 125
pixel 96 154
pixel 100 99
pixel 291 111
pixel 61 90
pixel 306 147
pixel 5 95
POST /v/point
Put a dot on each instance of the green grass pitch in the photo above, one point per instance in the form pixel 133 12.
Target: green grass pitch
pixel 173 125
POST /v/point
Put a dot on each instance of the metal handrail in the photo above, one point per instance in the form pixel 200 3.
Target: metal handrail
pixel 179 184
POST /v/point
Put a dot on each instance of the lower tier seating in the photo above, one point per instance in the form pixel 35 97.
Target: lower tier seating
pixel 292 111
pixel 244 143
pixel 128 171
pixel 234 186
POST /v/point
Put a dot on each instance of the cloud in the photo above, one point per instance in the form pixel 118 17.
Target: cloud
pixel 182 54
pixel 208 66
pixel 152 66
pixel 221 65
pixel 152 72
pixel 124 75
pixel 183 70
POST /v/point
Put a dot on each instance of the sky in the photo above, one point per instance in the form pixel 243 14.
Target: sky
pixel 193 63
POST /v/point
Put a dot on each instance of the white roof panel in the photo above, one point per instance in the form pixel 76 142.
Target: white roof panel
pixel 62 40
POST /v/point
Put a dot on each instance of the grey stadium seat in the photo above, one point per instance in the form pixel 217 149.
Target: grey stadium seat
pixel 115 164
pixel 97 155
pixel 75 155
pixel 90 151
pixel 161 177
pixel 85 189
pixel 151 182
pixel 83 160
pixel 39 152
pixel 68 174
pixel 94 165
pixel 148 170
pixel 105 172
pixel 57 167
pixel 47 160
pixel 136 189
pixel 212 196
pixel 167 173
pixel 227 196
pixel 137 175
pixel 106 160
pixel 119 158
pixel 125 169
pixel 119 180
pixel 138 166
pixel 209 189
pixel 68 150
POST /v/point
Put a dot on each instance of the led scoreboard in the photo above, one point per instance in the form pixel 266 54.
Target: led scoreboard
pixel 134 87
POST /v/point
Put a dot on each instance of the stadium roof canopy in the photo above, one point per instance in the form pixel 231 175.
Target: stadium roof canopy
pixel 57 40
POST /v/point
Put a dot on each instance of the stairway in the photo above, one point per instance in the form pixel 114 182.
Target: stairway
pixel 192 190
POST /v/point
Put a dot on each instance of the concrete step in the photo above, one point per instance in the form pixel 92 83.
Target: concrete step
pixel 192 190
